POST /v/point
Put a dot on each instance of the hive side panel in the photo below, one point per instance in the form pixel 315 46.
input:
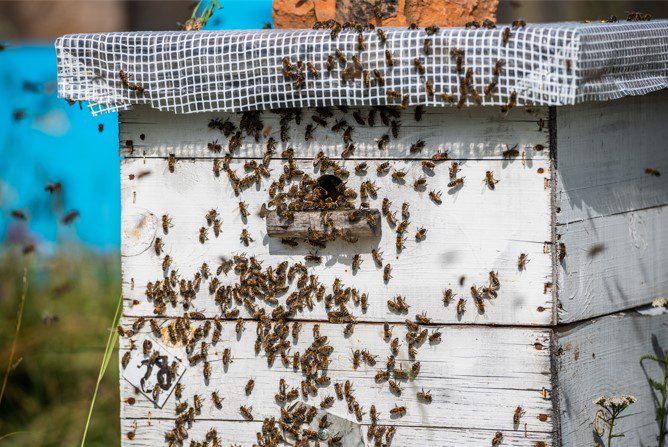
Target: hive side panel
pixel 601 358
pixel 477 378
pixel 613 263
pixel 603 150
pixel 475 132
pixel 474 231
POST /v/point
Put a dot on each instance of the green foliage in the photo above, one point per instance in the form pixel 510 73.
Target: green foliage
pixel 660 387
pixel 70 302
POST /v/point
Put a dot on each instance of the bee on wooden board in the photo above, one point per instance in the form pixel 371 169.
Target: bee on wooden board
pixel 424 396
pixel 387 273
pixel 158 245
pixel 461 306
pixel 246 412
pixel 498 437
pixel 387 330
pixel 245 237
pixel 517 415
pixel 456 182
pixel 398 411
pixel 420 182
pixel 166 223
pixel 171 162
pixel 489 180
pixel 395 388
pixel 435 196
pixel 227 356
pixel 203 236
pixel 206 370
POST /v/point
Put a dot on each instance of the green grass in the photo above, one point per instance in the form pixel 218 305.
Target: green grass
pixel 49 391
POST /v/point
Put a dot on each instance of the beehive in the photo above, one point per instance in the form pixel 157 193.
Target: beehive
pixel 559 195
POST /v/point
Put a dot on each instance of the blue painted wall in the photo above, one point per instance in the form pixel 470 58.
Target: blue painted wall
pixel 44 140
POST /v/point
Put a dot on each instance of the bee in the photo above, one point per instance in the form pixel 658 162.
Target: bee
pixel 245 237
pixel 146 346
pixel 398 411
pixel 381 36
pixel 422 318
pixel 53 187
pixel 340 56
pixel 360 42
pixel 435 196
pixel 158 245
pixel 395 128
pixel 383 167
pixel 458 55
pixel 496 70
pixel 243 209
pixel 389 58
pixel 210 216
pixel 171 162
pixel 519 23
pixel 214 146
pixel 314 258
pixel 377 257
pixel 517 415
pixel 249 386
pixel 435 337
pixel 368 358
pixel 454 169
pixel 349 329
pixel 383 142
pixel 217 223
pixel 440 156
pixel 126 359
pixel 206 370
pixel 239 326
pixel 166 262
pixel 395 388
pixel 489 88
pixel 505 35
pixel 246 412
pixel 227 357
pixel 461 306
pixel 203 237
pixel 386 272
pixel 653 172
pixel 420 182
pixel 357 262
pixel 398 175
pixel 178 391
pixel 330 63
pixel 424 396
pixel 456 182
pixel 405 213
pixel 339 390
pixel 511 152
pixel 490 180
pixel 327 402
pixel 312 70
pixel 405 101
pixel 498 437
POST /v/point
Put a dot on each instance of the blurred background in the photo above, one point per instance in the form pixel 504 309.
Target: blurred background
pixel 73 269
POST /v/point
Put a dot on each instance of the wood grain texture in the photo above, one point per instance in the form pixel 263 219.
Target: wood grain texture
pixel 304 221
pixel 603 150
pixel 474 231
pixel 601 358
pixel 477 377
pixel 612 263
pixel 469 133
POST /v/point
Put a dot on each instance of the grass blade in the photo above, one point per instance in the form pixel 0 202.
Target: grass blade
pixel 16 333
pixel 109 350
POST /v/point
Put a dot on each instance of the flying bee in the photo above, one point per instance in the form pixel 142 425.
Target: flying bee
pixel 394 387
pixel 420 182
pixel 314 258
pixel 377 257
pixel 203 237
pixel 383 167
pixel 653 172
pixel 435 196
pixel 389 58
pixel 498 437
pixel 398 411
pixel 490 180
pixel 357 262
pixel 214 146
pixel 246 412
pixel 505 35
pixel 158 245
pixel 245 237
pixel 440 156
pixel 511 152
pixel 424 396
pixel 461 306
pixel 519 23
pixel 171 162
pixel 386 272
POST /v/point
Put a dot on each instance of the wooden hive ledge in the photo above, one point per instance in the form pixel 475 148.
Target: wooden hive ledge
pixel 305 220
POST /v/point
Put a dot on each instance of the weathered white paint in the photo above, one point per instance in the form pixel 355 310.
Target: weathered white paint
pixel 474 132
pixel 603 150
pixel 474 231
pixel 629 271
pixel 477 377
pixel 601 358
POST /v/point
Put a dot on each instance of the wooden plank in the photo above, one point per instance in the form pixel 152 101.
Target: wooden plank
pixel 603 151
pixel 474 231
pixel 469 133
pixel 612 263
pixel 477 377
pixel 305 221
pixel 601 358
pixel 149 433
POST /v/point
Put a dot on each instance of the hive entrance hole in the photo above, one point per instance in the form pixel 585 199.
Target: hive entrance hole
pixel 329 184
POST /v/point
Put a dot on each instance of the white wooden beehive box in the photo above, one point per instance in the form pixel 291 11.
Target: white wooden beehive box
pixel 579 195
